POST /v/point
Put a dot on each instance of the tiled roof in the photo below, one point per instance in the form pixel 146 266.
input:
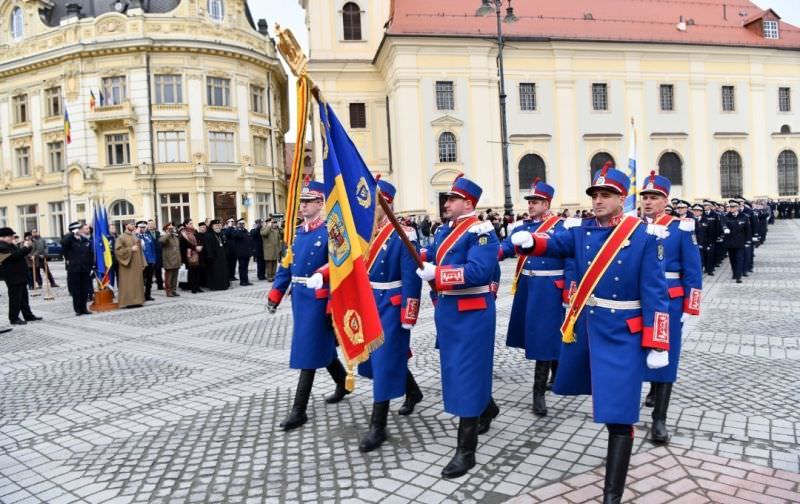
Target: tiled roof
pixel 709 22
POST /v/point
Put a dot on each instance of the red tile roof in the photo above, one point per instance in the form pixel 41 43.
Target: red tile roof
pixel 595 20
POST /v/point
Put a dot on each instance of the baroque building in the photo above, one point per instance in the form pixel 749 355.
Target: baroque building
pixel 712 86
pixel 177 109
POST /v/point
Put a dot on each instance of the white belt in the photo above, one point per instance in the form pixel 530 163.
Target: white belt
pixel 483 289
pixel 541 273
pixel 300 280
pixel 672 275
pixel 613 304
pixel 386 285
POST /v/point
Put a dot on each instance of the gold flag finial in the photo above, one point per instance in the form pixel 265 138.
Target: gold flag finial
pixel 291 50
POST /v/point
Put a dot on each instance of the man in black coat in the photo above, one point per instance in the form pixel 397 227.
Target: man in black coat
pixel 258 250
pixel 15 272
pixel 230 248
pixel 79 252
pixel 737 235
pixel 242 247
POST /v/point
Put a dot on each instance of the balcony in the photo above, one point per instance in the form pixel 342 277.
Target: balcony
pixel 108 117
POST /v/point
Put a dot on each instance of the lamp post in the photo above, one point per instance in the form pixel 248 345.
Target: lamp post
pixel 487 8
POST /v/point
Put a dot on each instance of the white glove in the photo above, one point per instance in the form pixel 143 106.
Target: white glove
pixel 523 239
pixel 407 327
pixel 657 359
pixel 683 318
pixel 427 272
pixel 315 281
pixel 726 231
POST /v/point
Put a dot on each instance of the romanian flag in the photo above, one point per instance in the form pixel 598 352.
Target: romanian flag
pixel 92 101
pixel 102 246
pixel 350 203
pixel 67 127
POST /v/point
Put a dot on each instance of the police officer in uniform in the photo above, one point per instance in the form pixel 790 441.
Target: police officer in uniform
pixel 737 231
pixel 539 293
pixel 313 340
pixel 712 228
pixel 79 256
pixel 396 288
pixel 617 321
pixel 463 264
pixel 684 275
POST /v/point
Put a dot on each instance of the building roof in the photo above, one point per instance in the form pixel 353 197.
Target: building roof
pixel 708 22
pixel 94 8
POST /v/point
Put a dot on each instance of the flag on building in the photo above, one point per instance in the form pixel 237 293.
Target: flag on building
pixel 92 101
pixel 67 127
pixel 350 191
pixel 102 97
pixel 102 246
pixel 630 200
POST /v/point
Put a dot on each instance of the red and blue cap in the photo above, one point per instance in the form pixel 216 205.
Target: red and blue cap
pixel 610 178
pixel 312 190
pixel 387 189
pixel 657 184
pixel 466 189
pixel 541 190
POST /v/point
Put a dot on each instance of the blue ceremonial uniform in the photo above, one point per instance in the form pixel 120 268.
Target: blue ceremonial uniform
pixel 608 360
pixel 396 288
pixel 466 281
pixel 313 340
pixel 537 310
pixel 683 270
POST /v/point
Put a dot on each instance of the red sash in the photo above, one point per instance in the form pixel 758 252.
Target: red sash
pixel 377 243
pixel 459 230
pixel 664 220
pixel 604 258
pixel 544 227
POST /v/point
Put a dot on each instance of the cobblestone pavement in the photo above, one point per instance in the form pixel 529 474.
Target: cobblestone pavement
pixel 180 402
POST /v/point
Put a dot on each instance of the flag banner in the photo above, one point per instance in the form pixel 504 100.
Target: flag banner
pixel 67 127
pixel 92 101
pixel 350 191
pixel 296 178
pixel 102 246
pixel 630 200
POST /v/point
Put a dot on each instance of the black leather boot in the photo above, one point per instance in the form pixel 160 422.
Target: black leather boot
pixel 650 399
pixel 617 461
pixel 297 416
pixel 553 370
pixel 540 374
pixel 658 432
pixel 489 413
pixel 464 459
pixel 377 427
pixel 339 376
pixel 413 395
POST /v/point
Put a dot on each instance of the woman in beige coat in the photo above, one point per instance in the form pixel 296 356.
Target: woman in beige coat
pixel 170 258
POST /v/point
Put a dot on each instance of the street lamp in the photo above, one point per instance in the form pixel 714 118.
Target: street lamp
pixel 487 8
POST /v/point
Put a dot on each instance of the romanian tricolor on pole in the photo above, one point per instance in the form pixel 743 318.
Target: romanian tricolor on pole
pixel 630 200
pixel 102 246
pixel 350 192
pixel 67 127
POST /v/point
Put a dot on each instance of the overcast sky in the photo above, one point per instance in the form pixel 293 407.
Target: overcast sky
pixel 289 14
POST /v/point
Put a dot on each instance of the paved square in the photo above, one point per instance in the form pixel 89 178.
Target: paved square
pixel 180 402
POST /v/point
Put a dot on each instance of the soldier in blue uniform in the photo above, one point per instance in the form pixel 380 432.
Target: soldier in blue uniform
pixel 313 340
pixel 684 274
pixel 396 288
pixel 617 320
pixel 465 270
pixel 539 293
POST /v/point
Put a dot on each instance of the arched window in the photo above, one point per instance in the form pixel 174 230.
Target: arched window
pixel 447 148
pixel 530 167
pixel 730 174
pixel 17 23
pixel 598 161
pixel 351 19
pixel 216 10
pixel 787 173
pixel 120 212
pixel 786 129
pixel 671 166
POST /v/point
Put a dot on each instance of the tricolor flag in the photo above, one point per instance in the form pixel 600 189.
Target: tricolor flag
pixel 102 97
pixel 67 127
pixel 102 246
pixel 92 101
pixel 630 201
pixel 350 191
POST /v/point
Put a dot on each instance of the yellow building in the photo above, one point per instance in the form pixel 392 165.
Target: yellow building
pixel 177 109
pixel 712 88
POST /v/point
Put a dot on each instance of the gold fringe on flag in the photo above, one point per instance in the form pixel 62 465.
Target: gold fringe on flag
pixel 296 179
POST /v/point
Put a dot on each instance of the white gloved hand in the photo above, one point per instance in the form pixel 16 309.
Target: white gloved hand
pixel 523 239
pixel 407 327
pixel 726 231
pixel 683 318
pixel 657 359
pixel 315 281
pixel 427 272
